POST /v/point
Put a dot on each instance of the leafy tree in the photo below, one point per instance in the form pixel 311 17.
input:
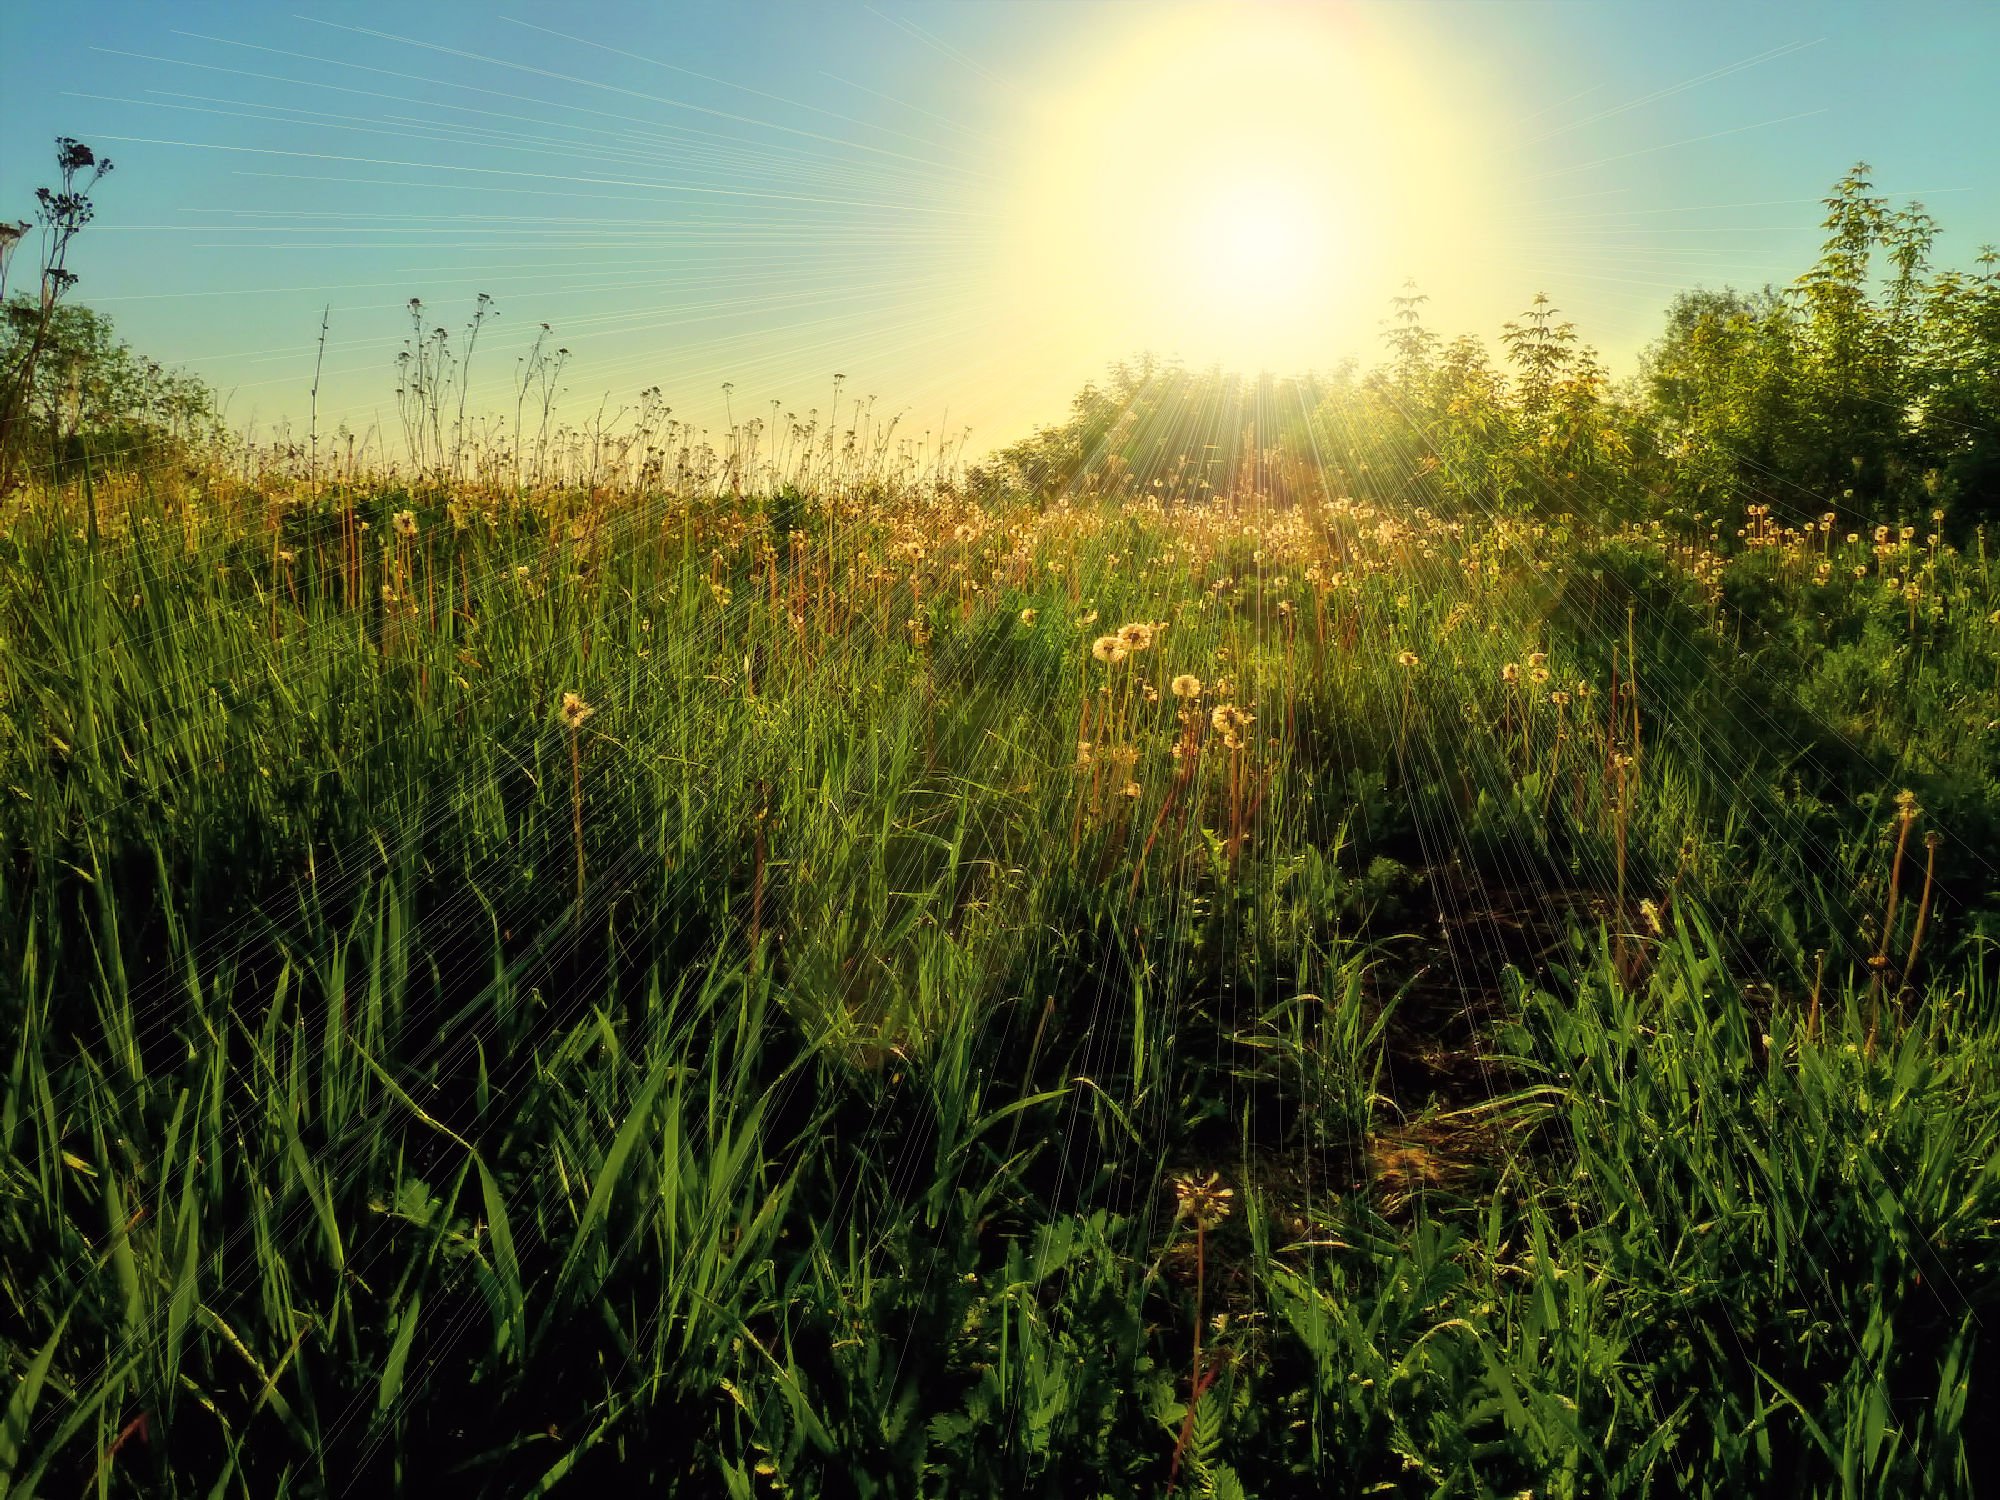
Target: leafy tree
pixel 88 398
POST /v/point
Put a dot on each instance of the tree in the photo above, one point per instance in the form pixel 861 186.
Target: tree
pixel 88 398
pixel 62 213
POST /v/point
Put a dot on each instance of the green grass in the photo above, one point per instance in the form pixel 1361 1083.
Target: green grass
pixel 826 1143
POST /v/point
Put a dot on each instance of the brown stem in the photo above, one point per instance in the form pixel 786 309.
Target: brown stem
pixel 1923 903
pixel 576 808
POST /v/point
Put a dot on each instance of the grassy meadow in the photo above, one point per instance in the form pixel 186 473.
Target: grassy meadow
pixel 1459 968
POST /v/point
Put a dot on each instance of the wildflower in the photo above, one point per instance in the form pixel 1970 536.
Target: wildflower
pixel 406 523
pixel 1229 721
pixel 1028 617
pixel 1511 672
pixel 1087 619
pixel 1540 675
pixel 1559 698
pixel 1651 913
pixel 287 556
pixel 1135 637
pixel 575 710
pixel 1187 686
pixel 1106 648
pixel 1204 1201
pixel 1406 658
pixel 1132 791
pixel 1538 658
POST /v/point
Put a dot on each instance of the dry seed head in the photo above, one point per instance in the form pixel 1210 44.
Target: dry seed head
pixel 1204 1201
pixel 1107 649
pixel 1229 721
pixel 1187 686
pixel 575 710
pixel 1135 637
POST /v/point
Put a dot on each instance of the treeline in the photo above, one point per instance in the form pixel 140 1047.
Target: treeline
pixel 1868 386
pixel 88 398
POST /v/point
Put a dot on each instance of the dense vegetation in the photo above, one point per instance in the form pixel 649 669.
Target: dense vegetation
pixel 1437 945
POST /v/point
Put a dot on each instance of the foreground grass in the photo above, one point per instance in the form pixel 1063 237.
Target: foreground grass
pixel 759 996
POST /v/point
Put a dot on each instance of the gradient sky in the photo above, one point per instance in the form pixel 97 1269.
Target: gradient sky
pixel 966 208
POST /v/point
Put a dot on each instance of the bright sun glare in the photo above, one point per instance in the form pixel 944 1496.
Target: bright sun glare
pixel 1247 187
pixel 1262 247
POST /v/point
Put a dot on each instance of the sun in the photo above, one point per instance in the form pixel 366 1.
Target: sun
pixel 1261 248
pixel 1244 185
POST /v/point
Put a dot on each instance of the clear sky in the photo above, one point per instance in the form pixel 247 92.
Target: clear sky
pixel 967 209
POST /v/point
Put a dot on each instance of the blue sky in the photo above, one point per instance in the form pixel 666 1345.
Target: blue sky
pixel 766 194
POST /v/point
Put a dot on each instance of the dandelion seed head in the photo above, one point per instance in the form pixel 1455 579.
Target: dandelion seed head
pixel 1203 1201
